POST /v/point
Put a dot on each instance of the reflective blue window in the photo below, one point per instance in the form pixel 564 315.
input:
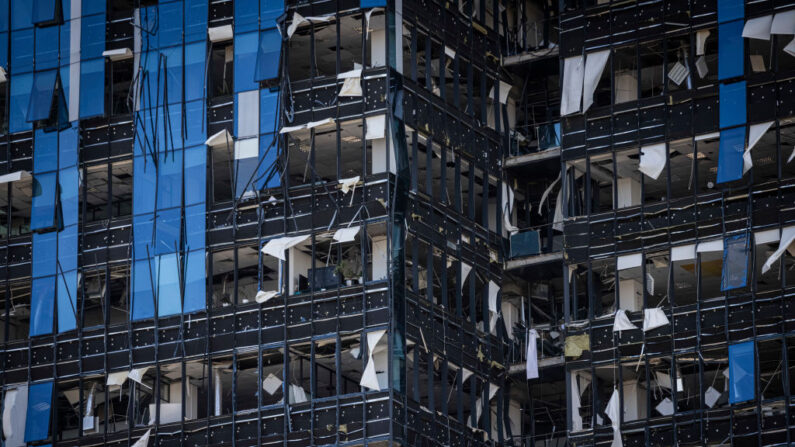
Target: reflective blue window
pixel 23 14
pixel 169 188
pixel 195 54
pixel 730 10
pixel 89 7
pixel 268 110
pixel 735 262
pixel 67 249
pixel 92 88
pixel 170 24
pixel 174 68
pixel 144 275
pixel 43 209
pixel 67 301
pixel 195 175
pixel 21 51
pixel 246 15
pixel 196 129
pixel 41 95
pixel 67 147
pixel 195 225
pixel 267 175
pixel 195 282
pixel 44 257
pixel 730 49
pixel 4 50
pixel 169 299
pixel 730 154
pixel 245 61
pixel 47 48
pixel 45 152
pixel 245 176
pixel 268 56
pixel 92 36
pixel 168 228
pixel 68 189
pixel 42 305
pixel 46 11
pixel 269 11
pixel 371 3
pixel 19 101
pixel 732 104
pixel 196 20
pixel 144 172
pixel 3 17
pixel 143 234
pixel 742 372
pixel 37 421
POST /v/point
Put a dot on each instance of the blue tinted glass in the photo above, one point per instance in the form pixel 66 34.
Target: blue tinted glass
pixel 174 69
pixel 4 49
pixel 730 50
pixel 92 88
pixel 245 61
pixel 268 110
pixel 170 24
pixel 19 101
pixel 41 95
pixel 169 129
pixel 22 14
pixel 730 154
pixel 371 3
pixel 67 249
pixel 195 227
pixel 195 174
pixel 169 299
pixel 45 151
pixel 92 36
pixel 742 372
pixel 195 20
pixel 43 254
pixel 67 146
pixel 67 301
pixel 42 305
pixel 195 54
pixel 88 7
pixel 245 179
pixel 735 262
pixel 69 195
pixel 270 49
pixel 196 129
pixel 37 422
pixel 195 282
pixel 266 176
pixel 730 10
pixel 732 104
pixel 270 10
pixel 4 17
pixel 169 188
pixel 144 179
pixel 42 213
pixel 168 228
pixel 44 11
pixel 143 235
pixel 144 273
pixel 21 51
pixel 64 39
pixel 246 15
pixel 46 48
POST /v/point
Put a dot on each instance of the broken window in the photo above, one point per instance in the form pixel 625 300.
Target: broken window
pixel 763 152
pixel 16 298
pixel 652 78
pixel 120 81
pixel 630 282
pixel 15 203
pixel 706 57
pixel 678 63
pixel 221 69
pixel 601 180
pixel 657 273
pixel 707 163
pixel 681 165
pixel 603 286
pixel 765 244
pixel 625 73
pixel 710 268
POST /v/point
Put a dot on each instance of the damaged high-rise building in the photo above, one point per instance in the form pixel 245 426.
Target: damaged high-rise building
pixel 397 222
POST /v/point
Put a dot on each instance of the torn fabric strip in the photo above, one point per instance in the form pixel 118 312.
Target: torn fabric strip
pixel 573 72
pixel 532 355
pixel 652 160
pixel 594 66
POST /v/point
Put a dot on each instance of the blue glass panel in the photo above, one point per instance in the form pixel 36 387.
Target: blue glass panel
pixel 143 235
pixel 730 50
pixel 22 15
pixel 195 54
pixel 67 249
pixel 67 146
pixel 245 61
pixel 730 155
pixel 245 179
pixel 88 7
pixel 44 257
pixel 37 420
pixel 42 305
pixel 269 11
pixel 195 174
pixel 169 129
pixel 69 196
pixel 144 173
pixel 195 225
pixel 41 95
pixel 196 20
pixel 266 176
pixel 196 129
pixel 168 227
pixel 270 50
pixel 42 213
pixel 268 110
pixel 92 88
pixel 45 151
pixel 735 262
pixel 730 10
pixel 742 372
pixel 64 40
pixel 732 104
pixel 246 15
pixel 67 301
pixel 18 103
pixel 4 17
pixel 195 282
pixel 371 3
pixel 4 50
pixel 174 68
pixel 21 51
pixel 45 12
pixel 144 273
pixel 92 36
pixel 169 299
pixel 148 17
pixel 169 188
pixel 170 24
pixel 46 48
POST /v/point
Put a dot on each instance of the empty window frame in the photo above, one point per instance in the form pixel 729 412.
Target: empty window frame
pixel 625 74
pixel 120 76
pixel 221 69
pixel 15 324
pixel 681 165
pixel 652 77
pixel 706 156
pixel 602 283
pixel 108 191
pixel 15 207
pixel 705 65
pixel 678 60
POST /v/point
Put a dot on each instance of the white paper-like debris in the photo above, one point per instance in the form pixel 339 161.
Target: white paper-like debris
pixel 220 33
pixel 298 20
pixel 370 375
pixel 376 127
pixel 701 39
pixel 678 73
pixel 701 66
pixel 783 23
pixel 271 384
pixel 143 441
pixel 571 93
pixel 613 411
pixel 787 237
pixel 629 261
pixel 755 133
pixel 711 397
pixel 117 378
pixel 276 247
pixel 758 28
pixel 347 184
pixel 666 407
pixel 532 355
pixel 220 138
pixel 654 318
pixel 594 66
pixel 346 234
pixel 137 374
pixel 621 322
pixel 263 296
